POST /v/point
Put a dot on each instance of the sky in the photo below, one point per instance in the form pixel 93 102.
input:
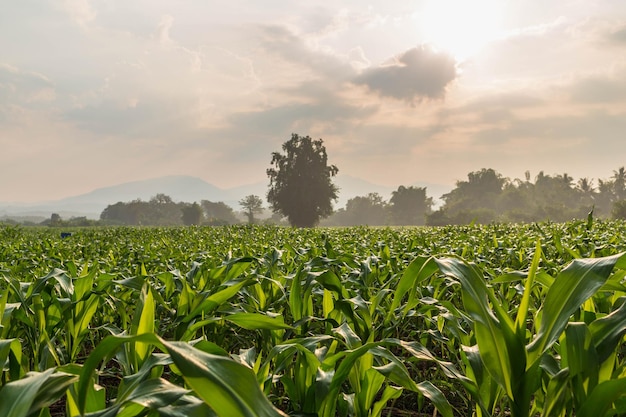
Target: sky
pixel 95 93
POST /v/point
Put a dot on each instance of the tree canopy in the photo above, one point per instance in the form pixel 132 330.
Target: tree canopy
pixel 410 205
pixel 161 210
pixel 300 187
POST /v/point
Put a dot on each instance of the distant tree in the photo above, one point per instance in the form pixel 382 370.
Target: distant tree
pixel 604 198
pixel 481 190
pixel 55 219
pixel 192 214
pixel 585 185
pixel 300 181
pixel 619 183
pixel 365 210
pixel 275 219
pixel 410 205
pixel 217 213
pixel 162 211
pixel 557 199
pixel 122 213
pixel 161 198
pixel 159 211
pixel 619 210
pixel 251 204
pixel 476 199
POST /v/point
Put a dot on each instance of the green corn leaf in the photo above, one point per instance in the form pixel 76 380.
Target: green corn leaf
pixel 296 304
pixel 522 312
pixel 229 388
pixel 11 349
pixel 370 385
pixel 389 393
pixel 608 332
pixel 152 394
pixel 573 285
pixel 143 322
pixel 104 351
pixel 602 397
pixel 556 394
pixel 36 390
pixel 419 269
pixel 331 281
pixel 52 389
pixel 436 397
pixel 187 406
pixel 397 372
pixel 491 333
pixel 254 321
pixel 213 301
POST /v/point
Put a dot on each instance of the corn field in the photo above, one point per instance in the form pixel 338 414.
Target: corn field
pixel 497 320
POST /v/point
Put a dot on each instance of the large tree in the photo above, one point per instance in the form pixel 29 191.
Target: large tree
pixel 300 181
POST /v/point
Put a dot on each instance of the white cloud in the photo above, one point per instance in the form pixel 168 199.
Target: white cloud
pixel 81 11
pixel 164 29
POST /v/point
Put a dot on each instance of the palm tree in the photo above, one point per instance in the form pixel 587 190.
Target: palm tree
pixel 586 186
pixel 619 183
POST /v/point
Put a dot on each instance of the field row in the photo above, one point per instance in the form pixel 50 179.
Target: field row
pixel 491 320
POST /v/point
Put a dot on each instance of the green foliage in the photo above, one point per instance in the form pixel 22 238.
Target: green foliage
pixel 619 210
pixel 300 181
pixel 487 197
pixel 366 210
pixel 478 320
pixel 218 213
pixel 161 210
pixel 410 205
pixel 192 214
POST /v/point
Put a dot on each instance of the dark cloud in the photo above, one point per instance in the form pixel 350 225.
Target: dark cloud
pixel 417 74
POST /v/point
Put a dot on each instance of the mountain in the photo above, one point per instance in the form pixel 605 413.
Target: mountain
pixel 179 188
pixel 188 189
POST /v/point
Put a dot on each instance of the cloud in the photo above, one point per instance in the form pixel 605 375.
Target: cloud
pixel 164 29
pixel 599 88
pixel 618 35
pixel 80 11
pixel 303 53
pixel 417 74
pixel 21 87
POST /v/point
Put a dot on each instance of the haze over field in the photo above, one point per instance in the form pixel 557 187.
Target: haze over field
pixel 94 93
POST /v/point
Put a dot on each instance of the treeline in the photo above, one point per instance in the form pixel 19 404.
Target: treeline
pixel 161 210
pixel 486 196
pixel 407 206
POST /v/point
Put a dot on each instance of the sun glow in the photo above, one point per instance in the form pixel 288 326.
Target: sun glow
pixel 461 27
